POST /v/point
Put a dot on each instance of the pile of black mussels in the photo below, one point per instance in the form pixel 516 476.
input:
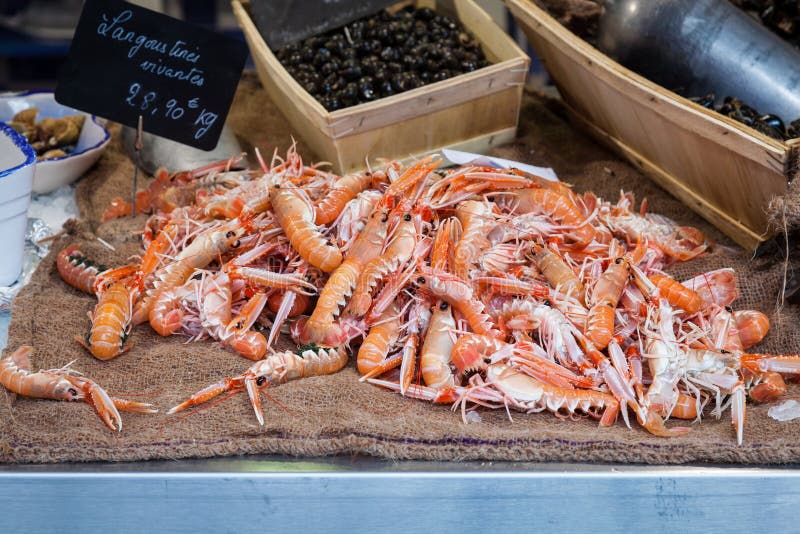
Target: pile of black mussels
pixel 381 55
pixel 768 124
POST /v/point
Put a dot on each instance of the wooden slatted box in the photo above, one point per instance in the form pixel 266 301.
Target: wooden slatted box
pixel 720 168
pixel 473 111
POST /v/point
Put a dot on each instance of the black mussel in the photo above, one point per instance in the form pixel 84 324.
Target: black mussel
pixel 351 69
pixel 384 35
pixel 295 58
pixel 349 53
pixel 386 88
pixel 425 13
pixel 749 112
pixel 420 30
pixel 322 56
pixel 425 76
pixel 382 74
pixel 350 92
pixel 774 122
pixel 470 56
pixel 393 66
pixel 369 65
pixel 311 87
pixel 441 75
pixel 437 35
pixel 418 51
pixel 449 61
pixel 706 101
pixel 390 54
pixel 339 84
pixel 366 90
pixel 329 68
pixel 414 81
pixel 400 39
pixel 363 48
pixel 326 88
pixel 468 66
pixel 352 74
pixel 333 103
pixel 375 46
pixel 335 46
pixel 431 65
pixel 400 82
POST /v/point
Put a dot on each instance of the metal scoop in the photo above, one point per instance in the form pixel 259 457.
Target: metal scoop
pixel 696 47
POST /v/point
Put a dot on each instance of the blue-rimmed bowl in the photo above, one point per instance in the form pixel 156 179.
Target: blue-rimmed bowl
pixel 17 160
pixel 53 173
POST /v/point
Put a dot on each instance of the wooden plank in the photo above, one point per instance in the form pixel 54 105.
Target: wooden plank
pixel 432 131
pixel 428 99
pixel 733 228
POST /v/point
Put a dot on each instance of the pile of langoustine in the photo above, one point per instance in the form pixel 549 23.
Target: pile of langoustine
pixel 471 286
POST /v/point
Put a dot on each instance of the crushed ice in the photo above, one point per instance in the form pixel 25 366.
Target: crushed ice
pixel 785 411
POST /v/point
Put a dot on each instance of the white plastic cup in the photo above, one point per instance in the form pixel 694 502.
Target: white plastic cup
pixel 17 160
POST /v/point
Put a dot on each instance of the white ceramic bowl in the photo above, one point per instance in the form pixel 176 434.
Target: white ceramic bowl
pixel 53 173
pixel 17 160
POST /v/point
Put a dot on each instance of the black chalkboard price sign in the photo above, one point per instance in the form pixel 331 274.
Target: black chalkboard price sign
pixel 285 21
pixel 127 61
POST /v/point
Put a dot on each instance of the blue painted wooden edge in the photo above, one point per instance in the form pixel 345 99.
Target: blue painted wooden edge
pixel 658 501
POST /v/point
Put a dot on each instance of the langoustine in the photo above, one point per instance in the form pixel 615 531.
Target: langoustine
pixel 64 384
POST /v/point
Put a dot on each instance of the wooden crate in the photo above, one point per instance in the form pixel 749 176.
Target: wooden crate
pixel 473 111
pixel 720 168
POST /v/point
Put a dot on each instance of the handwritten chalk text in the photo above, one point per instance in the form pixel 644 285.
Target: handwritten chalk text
pixel 149 103
pixel 114 29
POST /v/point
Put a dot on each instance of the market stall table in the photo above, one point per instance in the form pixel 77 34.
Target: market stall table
pixel 663 493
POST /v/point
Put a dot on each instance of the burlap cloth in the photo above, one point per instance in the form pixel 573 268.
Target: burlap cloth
pixel 337 414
